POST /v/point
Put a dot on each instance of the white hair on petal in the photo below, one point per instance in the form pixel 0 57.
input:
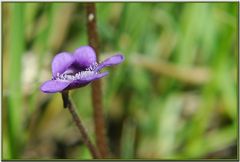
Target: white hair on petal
pixel 77 76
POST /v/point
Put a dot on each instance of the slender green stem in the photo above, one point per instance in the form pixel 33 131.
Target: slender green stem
pixel 68 104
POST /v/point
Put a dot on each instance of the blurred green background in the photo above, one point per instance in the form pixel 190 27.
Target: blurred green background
pixel 174 97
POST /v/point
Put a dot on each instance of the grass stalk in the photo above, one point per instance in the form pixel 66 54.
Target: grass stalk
pixel 96 85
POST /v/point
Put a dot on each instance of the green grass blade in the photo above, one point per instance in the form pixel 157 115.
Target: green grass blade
pixel 15 110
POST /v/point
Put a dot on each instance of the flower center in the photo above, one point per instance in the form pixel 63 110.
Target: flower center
pixel 77 76
pixel 92 67
pixel 71 75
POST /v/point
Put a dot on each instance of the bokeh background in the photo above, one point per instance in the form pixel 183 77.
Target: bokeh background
pixel 174 97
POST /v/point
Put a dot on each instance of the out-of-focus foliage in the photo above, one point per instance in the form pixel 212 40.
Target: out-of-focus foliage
pixel 174 97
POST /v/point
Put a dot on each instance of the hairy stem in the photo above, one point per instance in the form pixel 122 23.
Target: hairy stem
pixel 100 128
pixel 68 103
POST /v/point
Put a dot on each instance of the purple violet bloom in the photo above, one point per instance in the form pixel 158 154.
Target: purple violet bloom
pixel 77 70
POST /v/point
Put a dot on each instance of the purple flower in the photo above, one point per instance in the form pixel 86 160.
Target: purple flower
pixel 77 70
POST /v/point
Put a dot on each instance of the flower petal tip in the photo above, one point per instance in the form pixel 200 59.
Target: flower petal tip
pixel 120 57
pixel 61 62
pixel 53 86
pixel 85 56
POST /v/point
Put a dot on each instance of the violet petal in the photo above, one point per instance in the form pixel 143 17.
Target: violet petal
pixel 83 82
pixel 113 60
pixel 61 62
pixel 94 77
pixel 85 56
pixel 53 86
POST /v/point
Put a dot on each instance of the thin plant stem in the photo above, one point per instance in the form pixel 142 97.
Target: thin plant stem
pixel 100 128
pixel 68 104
